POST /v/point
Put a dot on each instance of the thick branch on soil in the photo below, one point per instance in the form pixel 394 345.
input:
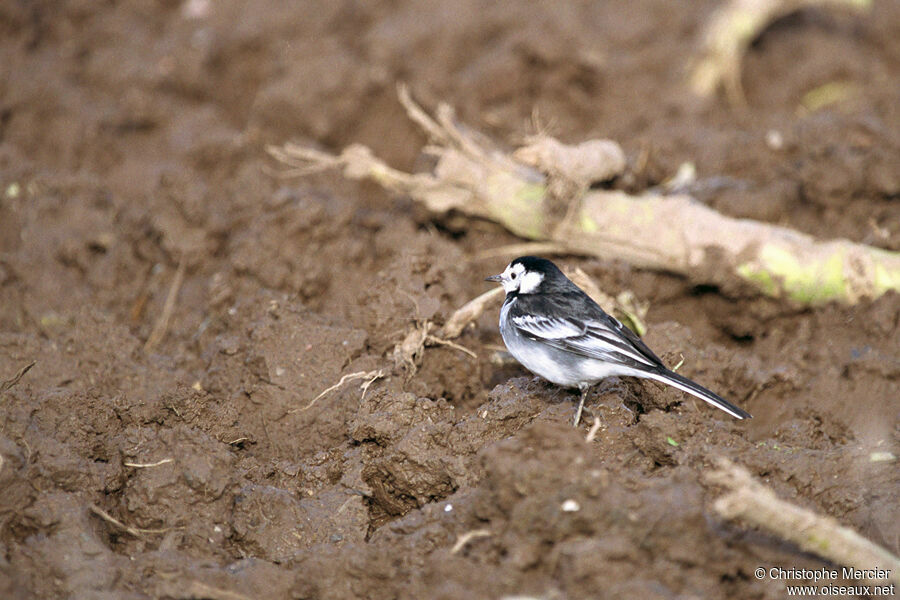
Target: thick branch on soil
pixel 730 31
pixel 754 503
pixel 669 233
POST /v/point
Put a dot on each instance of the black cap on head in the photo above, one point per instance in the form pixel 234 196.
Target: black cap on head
pixel 554 280
pixel 537 264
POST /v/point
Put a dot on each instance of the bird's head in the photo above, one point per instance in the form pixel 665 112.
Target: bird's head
pixel 529 275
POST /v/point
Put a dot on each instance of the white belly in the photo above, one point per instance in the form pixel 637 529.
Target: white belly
pixel 555 365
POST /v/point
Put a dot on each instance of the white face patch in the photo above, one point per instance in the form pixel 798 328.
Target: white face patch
pixel 529 282
pixel 516 278
pixel 512 277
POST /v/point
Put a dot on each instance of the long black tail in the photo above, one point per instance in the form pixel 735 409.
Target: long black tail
pixel 686 385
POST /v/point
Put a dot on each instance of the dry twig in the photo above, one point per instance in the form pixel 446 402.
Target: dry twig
pixel 9 383
pixel 751 501
pixel 162 324
pixel 111 519
pixel 148 465
pixel 436 341
pixel 469 312
pixel 467 537
pixel 592 433
pixel 134 531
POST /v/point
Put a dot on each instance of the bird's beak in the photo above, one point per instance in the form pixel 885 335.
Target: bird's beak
pixel 497 278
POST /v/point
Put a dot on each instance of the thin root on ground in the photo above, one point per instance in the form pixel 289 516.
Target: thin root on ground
pixel 369 378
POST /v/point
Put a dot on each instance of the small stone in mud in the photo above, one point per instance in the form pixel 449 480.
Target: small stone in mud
pixel 571 506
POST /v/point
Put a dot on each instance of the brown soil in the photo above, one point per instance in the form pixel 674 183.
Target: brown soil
pixel 131 140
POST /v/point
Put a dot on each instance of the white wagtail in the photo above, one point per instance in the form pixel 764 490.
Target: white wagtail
pixel 558 332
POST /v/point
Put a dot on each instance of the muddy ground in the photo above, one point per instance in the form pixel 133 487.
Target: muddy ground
pixel 132 140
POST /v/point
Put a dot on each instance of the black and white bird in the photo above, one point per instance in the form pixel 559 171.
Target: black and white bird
pixel 558 332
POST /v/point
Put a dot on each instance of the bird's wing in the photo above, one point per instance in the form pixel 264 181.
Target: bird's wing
pixel 547 328
pixel 598 336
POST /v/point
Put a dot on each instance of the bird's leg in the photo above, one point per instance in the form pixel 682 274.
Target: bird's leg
pixel 584 390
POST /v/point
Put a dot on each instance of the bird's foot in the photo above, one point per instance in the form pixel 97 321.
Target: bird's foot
pixel 580 408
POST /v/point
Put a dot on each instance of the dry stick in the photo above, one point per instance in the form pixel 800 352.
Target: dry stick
pixel 431 339
pixel 303 161
pixel 446 117
pixel 148 465
pixel 445 131
pixel 468 312
pixel 467 537
pixel 5 385
pixel 753 502
pixel 111 519
pixel 162 324
pixel 419 116
pixel 136 532
pixel 592 434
